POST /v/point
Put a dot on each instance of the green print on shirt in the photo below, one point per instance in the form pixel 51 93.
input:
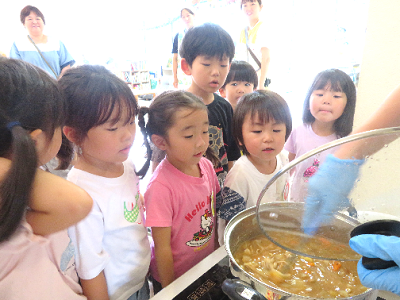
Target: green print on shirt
pixel 132 215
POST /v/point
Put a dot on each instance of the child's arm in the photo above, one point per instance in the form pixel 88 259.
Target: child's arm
pixel 56 204
pixel 291 156
pixel 96 288
pixel 163 254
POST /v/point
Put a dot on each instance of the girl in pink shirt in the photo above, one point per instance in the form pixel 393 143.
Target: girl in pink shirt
pixel 181 197
pixel 36 207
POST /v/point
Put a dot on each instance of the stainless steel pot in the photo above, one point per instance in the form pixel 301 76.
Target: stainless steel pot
pixel 243 227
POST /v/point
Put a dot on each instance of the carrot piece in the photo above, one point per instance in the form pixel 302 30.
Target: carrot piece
pixel 336 265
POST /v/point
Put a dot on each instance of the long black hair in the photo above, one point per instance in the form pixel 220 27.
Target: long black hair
pixel 92 94
pixel 29 100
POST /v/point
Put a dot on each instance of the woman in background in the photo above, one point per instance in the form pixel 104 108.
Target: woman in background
pixel 187 17
pixel 54 57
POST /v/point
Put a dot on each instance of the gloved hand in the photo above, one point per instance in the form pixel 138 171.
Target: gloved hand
pixel 328 190
pixel 378 246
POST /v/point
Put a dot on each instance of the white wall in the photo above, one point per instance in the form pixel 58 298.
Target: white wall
pixel 379 188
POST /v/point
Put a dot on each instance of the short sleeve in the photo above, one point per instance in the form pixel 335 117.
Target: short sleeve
pixel 87 237
pixel 263 36
pixel 290 143
pixel 65 58
pixel 159 207
pixel 14 53
pixel 175 44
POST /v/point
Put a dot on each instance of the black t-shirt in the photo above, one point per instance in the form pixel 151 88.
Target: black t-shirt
pixel 175 44
pixel 220 115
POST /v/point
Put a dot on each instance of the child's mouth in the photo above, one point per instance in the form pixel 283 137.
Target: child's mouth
pixel 268 150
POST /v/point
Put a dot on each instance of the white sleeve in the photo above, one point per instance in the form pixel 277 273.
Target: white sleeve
pixel 87 237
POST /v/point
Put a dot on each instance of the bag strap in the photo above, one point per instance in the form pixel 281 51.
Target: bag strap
pixel 249 50
pixel 40 52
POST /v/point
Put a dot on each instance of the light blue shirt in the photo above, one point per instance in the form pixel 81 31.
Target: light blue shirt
pixel 54 51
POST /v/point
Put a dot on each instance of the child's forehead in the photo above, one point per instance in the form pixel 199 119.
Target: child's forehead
pixel 329 87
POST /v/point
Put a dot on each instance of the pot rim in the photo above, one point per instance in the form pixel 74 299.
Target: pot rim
pixel 251 212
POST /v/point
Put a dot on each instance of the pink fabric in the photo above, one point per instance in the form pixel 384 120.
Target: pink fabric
pixel 187 205
pixel 36 267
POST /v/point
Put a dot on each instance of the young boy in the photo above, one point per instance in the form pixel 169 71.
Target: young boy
pixel 242 79
pixel 207 52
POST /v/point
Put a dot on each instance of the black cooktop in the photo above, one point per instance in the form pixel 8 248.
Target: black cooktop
pixel 208 286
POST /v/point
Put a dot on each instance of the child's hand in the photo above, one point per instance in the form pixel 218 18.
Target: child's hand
pixel 383 247
pixel 328 190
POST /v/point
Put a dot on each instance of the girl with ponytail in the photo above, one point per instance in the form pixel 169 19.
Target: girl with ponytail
pixel 36 207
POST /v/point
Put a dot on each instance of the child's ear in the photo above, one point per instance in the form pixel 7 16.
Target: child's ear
pixel 159 141
pixel 222 92
pixel 70 133
pixel 185 67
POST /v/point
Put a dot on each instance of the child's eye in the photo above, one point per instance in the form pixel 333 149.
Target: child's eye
pixel 277 130
pixel 205 132
pixel 112 129
pixel 247 84
pixel 337 96
pixel 224 66
pixel 188 136
pixel 233 84
pixel 206 65
pixel 256 131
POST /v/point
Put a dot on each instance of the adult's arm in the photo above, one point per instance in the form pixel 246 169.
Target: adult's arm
pixel 387 115
pixel 175 69
pixel 265 59
pixel 175 60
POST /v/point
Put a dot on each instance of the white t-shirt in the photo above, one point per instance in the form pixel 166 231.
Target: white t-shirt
pixel 243 186
pixel 302 140
pixel 112 237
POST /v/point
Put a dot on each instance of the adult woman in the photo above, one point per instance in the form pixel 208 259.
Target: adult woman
pixel 253 45
pixel 187 17
pixel 53 56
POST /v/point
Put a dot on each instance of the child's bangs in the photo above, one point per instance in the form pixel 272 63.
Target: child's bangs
pixel 329 79
pixel 267 111
pixel 242 74
pixel 117 106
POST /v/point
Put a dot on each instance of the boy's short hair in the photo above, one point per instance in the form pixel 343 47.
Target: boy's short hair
pixel 207 39
pixel 241 71
pixel 265 105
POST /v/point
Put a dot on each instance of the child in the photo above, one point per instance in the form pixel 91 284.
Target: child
pixel 207 52
pixel 261 125
pixel 180 198
pixel 327 115
pixel 36 207
pixel 241 79
pixel 113 251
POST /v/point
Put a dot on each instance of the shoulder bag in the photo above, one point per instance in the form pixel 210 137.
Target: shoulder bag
pixel 40 52
pixel 267 80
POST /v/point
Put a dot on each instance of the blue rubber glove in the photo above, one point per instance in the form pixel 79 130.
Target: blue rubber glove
pixel 328 190
pixel 383 247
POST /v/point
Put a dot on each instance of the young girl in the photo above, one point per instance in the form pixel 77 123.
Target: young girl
pixel 261 125
pixel 36 207
pixel 328 115
pixel 241 79
pixel 180 198
pixel 113 251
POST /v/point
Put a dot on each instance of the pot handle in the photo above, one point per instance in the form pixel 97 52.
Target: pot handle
pixel 237 289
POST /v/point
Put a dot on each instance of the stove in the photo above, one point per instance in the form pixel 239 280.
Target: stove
pixel 208 285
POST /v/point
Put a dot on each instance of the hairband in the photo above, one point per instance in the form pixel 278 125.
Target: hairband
pixel 11 125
